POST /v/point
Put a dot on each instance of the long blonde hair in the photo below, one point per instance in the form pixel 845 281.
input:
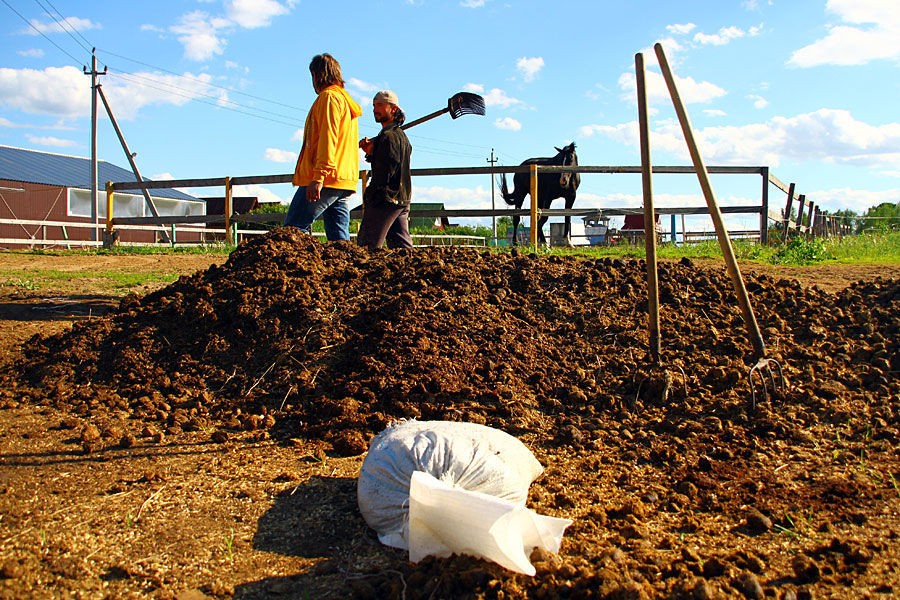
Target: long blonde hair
pixel 325 71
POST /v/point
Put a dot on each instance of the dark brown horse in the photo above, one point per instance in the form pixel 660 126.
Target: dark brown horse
pixel 550 187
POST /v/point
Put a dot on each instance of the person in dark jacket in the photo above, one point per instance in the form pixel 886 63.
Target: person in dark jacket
pixel 387 196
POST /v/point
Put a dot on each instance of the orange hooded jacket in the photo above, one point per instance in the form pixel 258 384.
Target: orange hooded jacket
pixel 330 151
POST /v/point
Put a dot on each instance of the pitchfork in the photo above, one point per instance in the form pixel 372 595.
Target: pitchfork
pixel 650 239
pixel 765 366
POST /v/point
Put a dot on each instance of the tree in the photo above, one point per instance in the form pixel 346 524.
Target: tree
pixel 884 217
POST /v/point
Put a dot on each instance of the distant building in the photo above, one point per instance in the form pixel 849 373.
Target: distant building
pixel 44 195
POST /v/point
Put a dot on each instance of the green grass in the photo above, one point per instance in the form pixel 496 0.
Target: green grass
pixel 868 248
pixel 108 278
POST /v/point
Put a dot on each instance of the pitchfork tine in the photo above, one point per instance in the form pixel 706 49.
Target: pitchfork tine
pixel 761 367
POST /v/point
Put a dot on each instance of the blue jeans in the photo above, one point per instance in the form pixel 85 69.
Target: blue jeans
pixel 331 206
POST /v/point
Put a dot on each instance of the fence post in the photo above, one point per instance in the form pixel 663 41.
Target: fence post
pixel 228 203
pixel 534 206
pixel 787 212
pixel 802 200
pixel 764 214
pixel 110 237
pixel 811 218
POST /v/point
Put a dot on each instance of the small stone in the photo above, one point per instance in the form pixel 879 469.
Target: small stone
pixel 126 441
pixel 219 436
pixel 757 522
pixel 805 569
pixel 749 586
pixel 714 567
pixel 701 591
pixel 90 433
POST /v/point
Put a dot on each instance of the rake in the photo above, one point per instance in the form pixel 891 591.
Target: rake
pixel 765 366
pixel 459 104
pixel 650 242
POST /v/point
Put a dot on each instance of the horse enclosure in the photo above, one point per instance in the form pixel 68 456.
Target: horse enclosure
pixel 810 220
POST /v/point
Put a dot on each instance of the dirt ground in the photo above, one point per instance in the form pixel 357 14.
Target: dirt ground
pixel 202 439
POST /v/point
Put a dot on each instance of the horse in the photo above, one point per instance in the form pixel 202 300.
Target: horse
pixel 550 186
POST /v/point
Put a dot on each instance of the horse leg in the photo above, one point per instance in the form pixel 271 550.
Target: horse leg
pixel 515 239
pixel 568 229
pixel 542 241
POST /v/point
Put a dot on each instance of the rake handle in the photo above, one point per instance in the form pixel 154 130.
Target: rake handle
pixel 436 113
pixel 649 220
pixel 714 212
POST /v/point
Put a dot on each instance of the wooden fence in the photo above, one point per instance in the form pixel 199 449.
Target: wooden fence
pixel 761 209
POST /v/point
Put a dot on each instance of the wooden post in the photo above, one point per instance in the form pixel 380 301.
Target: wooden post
pixel 228 204
pixel 534 206
pixel 787 213
pixel 109 207
pixel 802 200
pixel 683 232
pixel 811 219
pixel 764 211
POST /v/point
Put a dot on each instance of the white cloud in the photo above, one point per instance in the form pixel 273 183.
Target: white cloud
pixel 714 112
pixel 263 194
pixel 200 35
pixel 529 67
pixel 854 199
pixel 472 3
pixel 681 29
pixel 31 53
pixel 53 142
pixel 758 101
pixel 280 156
pixel 690 90
pixel 826 135
pixel 497 97
pixel 297 135
pixel 507 123
pixel 59 91
pixel 457 198
pixel 129 94
pixel 251 14
pixel 71 23
pixel 871 31
pixel 474 87
pixel 153 28
pixel 722 37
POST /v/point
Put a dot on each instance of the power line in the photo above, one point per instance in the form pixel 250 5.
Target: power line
pixel 66 19
pixel 62 26
pixel 30 24
pixel 210 84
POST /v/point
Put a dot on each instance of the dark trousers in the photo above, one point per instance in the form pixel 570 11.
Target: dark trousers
pixel 384 222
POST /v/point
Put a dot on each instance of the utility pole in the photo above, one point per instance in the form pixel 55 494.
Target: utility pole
pixel 95 213
pixel 492 160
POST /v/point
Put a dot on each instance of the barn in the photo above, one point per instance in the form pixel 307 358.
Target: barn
pixel 45 200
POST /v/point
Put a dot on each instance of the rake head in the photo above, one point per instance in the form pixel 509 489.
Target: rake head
pixel 465 103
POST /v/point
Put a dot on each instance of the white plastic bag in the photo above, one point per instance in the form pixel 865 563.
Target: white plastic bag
pixel 444 519
pixel 482 478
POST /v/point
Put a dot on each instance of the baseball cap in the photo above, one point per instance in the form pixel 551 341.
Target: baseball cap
pixel 387 96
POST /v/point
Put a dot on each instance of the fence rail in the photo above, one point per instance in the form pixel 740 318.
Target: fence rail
pixel 806 223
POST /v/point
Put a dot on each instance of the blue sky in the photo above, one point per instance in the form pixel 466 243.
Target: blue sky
pixel 209 88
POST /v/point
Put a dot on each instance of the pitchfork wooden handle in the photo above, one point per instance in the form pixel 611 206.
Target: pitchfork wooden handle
pixel 436 113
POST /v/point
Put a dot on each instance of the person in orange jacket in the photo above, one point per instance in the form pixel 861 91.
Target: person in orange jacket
pixel 327 169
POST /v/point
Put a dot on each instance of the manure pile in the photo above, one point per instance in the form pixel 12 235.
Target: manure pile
pixel 293 338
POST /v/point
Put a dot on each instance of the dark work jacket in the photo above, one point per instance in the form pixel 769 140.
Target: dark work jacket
pixel 390 181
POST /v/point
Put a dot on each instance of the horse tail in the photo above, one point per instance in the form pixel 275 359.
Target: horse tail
pixel 504 191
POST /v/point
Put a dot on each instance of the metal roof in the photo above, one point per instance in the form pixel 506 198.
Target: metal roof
pixel 31 166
